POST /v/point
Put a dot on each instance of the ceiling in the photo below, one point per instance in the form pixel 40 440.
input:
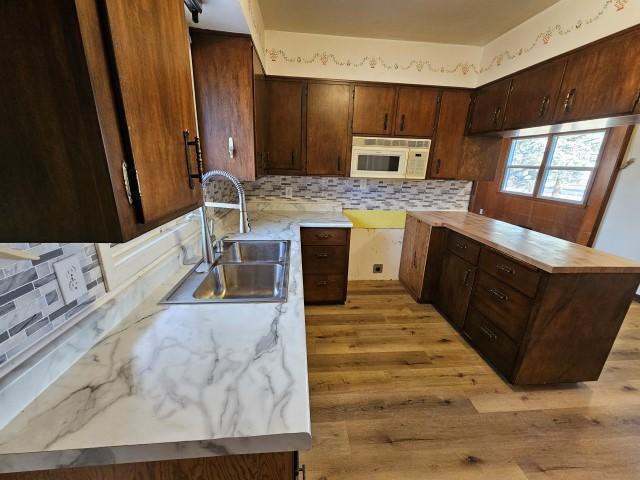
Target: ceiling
pixel 467 22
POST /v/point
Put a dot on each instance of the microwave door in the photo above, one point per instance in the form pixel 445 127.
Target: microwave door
pixel 379 164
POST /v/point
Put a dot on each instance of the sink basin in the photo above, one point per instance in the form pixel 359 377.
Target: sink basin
pixel 248 271
pixel 257 282
pixel 254 251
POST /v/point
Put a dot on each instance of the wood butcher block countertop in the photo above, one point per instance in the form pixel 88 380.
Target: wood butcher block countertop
pixel 548 253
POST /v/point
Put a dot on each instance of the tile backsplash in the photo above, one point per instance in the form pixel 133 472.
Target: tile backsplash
pixel 31 304
pixel 369 194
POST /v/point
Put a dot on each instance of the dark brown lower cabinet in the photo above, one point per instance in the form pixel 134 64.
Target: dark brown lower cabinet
pixel 325 264
pixel 262 466
pixel 534 327
pixel 454 292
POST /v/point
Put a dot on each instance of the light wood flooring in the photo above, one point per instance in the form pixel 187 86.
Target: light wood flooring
pixel 397 394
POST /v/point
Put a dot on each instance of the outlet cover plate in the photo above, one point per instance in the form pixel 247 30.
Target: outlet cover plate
pixel 70 278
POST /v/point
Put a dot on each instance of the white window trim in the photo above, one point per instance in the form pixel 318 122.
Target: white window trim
pixel 123 261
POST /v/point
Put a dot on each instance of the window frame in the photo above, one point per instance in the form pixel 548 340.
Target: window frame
pixel 545 167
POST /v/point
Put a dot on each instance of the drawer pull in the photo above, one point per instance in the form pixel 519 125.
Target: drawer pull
pixel 499 294
pixel 461 246
pixel 322 283
pixel 487 331
pixel 322 236
pixel 322 255
pixel 467 274
pixel 505 268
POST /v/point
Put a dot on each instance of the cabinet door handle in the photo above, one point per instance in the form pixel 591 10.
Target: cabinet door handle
pixel 339 163
pixel 402 123
pixel 487 331
pixel 496 114
pixel 543 106
pixel 386 120
pixel 461 246
pixel 293 157
pixel 568 101
pixel 505 268
pixel 497 293
pixel 322 236
pixel 467 275
pixel 322 283
pixel 438 166
pixel 195 143
pixel 322 255
pixel 414 261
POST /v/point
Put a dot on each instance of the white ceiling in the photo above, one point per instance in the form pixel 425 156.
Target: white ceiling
pixel 467 22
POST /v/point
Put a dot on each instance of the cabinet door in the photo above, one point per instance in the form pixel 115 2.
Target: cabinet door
pixel 488 107
pixel 154 79
pixel 285 127
pixel 373 109
pixel 328 135
pixel 223 71
pixel 533 96
pixel 602 80
pixel 454 292
pixel 415 245
pixel 449 138
pixel 416 112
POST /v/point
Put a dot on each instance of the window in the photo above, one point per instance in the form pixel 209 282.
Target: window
pixel 556 167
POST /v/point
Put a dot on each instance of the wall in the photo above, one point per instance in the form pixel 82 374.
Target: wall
pixel 351 58
pixel 253 16
pixel 31 304
pixel 367 194
pixel 558 29
pixel 619 231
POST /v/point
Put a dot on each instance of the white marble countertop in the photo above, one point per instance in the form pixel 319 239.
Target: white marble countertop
pixel 181 381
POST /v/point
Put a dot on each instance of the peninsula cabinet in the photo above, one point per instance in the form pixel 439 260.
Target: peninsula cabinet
pixel 488 107
pixel 328 132
pixel 225 68
pixel 539 309
pixel 286 127
pixel 262 466
pixel 602 80
pixel 98 138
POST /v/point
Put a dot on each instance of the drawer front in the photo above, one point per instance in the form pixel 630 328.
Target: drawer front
pixel 464 247
pixel 324 236
pixel 511 272
pixel 503 305
pixel 329 259
pixel 324 288
pixel 494 344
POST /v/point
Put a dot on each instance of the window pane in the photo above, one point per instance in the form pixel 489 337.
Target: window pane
pixel 566 184
pixel 520 180
pixel 579 150
pixel 528 152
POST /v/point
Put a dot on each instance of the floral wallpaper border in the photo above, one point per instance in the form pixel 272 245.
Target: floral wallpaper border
pixel 376 61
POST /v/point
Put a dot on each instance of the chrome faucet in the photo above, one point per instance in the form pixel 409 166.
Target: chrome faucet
pixel 208 238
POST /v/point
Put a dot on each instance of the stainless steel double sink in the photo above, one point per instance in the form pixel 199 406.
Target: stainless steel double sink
pixel 247 271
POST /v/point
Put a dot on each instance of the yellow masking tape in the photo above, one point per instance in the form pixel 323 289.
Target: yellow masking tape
pixel 376 218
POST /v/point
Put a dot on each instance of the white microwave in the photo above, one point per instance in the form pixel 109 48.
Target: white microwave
pixel 402 158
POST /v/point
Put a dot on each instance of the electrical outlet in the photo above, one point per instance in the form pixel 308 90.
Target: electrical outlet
pixel 70 278
pixel 288 192
pixel 377 268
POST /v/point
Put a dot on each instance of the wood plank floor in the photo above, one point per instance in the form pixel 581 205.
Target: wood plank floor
pixel 397 394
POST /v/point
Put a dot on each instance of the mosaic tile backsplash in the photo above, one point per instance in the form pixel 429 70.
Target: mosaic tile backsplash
pixel 31 303
pixel 369 194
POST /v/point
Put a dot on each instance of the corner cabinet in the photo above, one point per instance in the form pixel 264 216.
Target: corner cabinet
pixel 95 148
pixel 226 73
pixel 488 107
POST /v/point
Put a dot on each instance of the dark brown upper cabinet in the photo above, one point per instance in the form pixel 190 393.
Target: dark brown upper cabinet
pixel 447 146
pixel 602 80
pixel 416 112
pixel 285 127
pixel 260 113
pixel 96 144
pixel 488 106
pixel 373 110
pixel 328 133
pixel 533 96
pixel 223 69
